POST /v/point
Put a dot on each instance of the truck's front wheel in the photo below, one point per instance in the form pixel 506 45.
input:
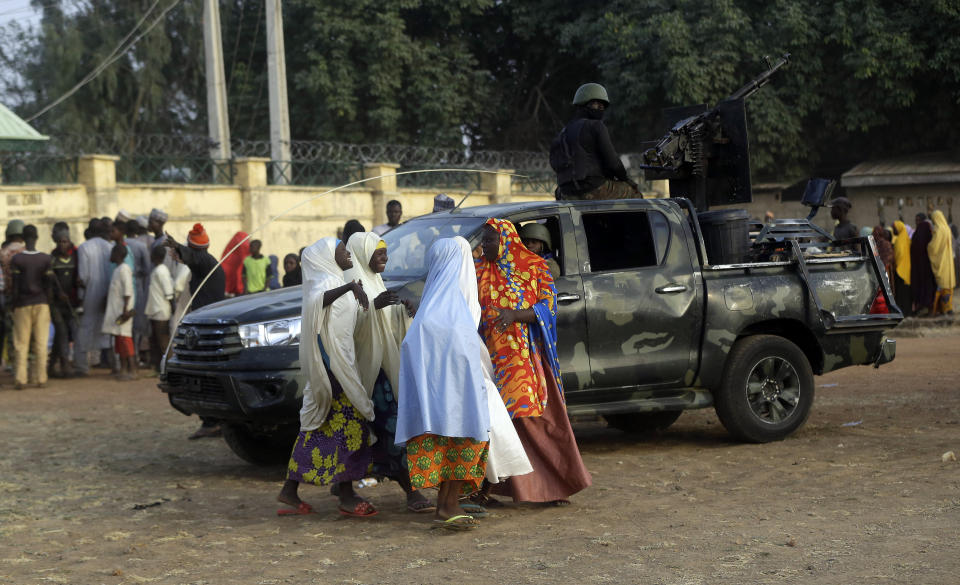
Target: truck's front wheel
pixel 259 448
pixel 767 389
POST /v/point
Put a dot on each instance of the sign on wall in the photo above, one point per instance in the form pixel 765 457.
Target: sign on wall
pixel 25 205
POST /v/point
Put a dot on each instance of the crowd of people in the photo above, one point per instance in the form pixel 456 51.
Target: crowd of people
pixel 922 262
pixel 111 300
pixel 461 393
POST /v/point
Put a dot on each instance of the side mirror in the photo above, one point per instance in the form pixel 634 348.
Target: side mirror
pixel 818 192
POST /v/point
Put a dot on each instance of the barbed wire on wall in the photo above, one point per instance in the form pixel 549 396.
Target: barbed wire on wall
pixel 158 157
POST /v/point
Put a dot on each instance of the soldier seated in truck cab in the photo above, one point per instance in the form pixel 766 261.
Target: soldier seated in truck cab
pixel 536 237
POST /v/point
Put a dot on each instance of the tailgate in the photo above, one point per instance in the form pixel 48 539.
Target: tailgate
pixel 847 283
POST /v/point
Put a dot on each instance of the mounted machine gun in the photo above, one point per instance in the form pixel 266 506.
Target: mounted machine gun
pixel 705 155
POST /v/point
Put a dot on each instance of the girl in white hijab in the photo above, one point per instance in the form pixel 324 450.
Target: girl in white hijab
pixel 334 444
pixel 450 413
pixel 378 359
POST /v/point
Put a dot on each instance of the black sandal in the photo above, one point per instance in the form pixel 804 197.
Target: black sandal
pixel 485 500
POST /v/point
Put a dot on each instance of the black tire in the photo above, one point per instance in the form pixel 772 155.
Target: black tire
pixel 260 448
pixel 638 423
pixel 767 389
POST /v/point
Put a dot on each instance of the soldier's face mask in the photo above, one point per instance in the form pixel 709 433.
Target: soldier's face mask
pixel 595 109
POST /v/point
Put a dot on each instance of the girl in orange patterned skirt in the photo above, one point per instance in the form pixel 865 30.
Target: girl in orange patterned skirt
pixel 443 415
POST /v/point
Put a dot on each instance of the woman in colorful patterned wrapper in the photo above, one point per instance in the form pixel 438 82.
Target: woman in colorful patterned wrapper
pixel 334 446
pixel 449 415
pixel 377 337
pixel 519 326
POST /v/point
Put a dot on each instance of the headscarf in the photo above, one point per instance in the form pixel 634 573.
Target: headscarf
pixel 940 249
pixel 922 283
pixel 884 247
pixel 519 279
pixel 377 346
pixel 233 266
pixel 441 387
pixel 295 276
pixel 334 324
pixel 955 232
pixel 901 251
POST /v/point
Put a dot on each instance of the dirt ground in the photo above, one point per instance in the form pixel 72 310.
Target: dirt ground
pixel 98 484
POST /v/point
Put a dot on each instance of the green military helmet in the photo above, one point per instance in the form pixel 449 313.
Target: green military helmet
pixel 590 91
pixel 536 231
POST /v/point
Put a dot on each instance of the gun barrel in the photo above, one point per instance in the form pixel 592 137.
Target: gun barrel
pixel 759 81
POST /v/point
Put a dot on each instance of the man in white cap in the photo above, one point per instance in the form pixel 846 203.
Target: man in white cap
pixel 443 202
pixel 123 216
pixel 155 223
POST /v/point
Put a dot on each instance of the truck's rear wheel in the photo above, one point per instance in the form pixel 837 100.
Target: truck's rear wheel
pixel 259 448
pixel 636 423
pixel 767 389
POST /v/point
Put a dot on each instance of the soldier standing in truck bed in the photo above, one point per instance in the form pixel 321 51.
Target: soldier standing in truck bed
pixel 586 163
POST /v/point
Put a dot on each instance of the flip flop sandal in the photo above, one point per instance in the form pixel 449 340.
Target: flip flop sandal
pixel 475 510
pixel 458 523
pixel 421 507
pixel 363 509
pixel 301 510
pixel 486 501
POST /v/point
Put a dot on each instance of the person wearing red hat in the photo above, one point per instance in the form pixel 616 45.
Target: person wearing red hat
pixel 201 263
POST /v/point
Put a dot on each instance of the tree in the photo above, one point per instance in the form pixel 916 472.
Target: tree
pixel 868 78
pixel 151 89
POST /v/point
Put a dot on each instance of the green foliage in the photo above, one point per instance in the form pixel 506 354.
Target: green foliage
pixel 868 78
pixel 150 89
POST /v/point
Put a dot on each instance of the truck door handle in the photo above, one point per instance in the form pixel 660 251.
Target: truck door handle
pixel 567 297
pixel 673 287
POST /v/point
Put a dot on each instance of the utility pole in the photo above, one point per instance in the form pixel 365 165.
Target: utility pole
pixel 279 111
pixel 218 122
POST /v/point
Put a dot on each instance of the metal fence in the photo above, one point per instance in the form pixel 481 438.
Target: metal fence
pixel 534 181
pixel 313 172
pixel 174 169
pixel 151 158
pixel 31 167
pixel 439 179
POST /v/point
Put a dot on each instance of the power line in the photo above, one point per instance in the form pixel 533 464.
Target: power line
pixel 31 8
pixel 113 57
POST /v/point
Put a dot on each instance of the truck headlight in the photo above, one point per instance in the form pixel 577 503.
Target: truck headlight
pixel 279 332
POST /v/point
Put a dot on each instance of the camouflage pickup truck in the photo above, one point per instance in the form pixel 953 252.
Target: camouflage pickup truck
pixel 648 326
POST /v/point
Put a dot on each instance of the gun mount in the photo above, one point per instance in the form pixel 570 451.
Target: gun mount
pixel 705 154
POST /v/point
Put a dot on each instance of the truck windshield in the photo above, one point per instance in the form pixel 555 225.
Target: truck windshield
pixel 407 244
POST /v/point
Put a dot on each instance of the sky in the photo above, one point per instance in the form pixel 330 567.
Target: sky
pixel 21 10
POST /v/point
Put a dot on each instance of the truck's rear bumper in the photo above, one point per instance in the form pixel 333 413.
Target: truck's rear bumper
pixel 266 396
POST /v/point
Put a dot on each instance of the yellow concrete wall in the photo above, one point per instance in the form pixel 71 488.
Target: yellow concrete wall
pixel 226 209
pixel 44 205
pixel 218 208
